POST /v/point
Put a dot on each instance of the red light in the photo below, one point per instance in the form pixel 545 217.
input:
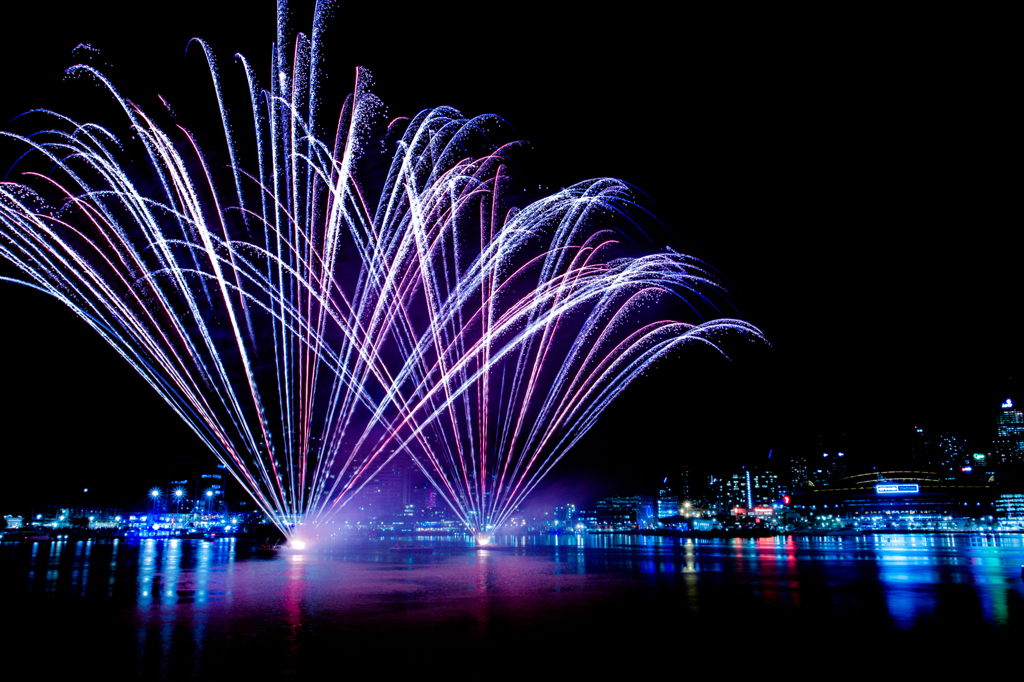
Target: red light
pixel 785 499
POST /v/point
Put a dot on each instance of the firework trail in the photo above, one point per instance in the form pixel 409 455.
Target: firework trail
pixel 308 331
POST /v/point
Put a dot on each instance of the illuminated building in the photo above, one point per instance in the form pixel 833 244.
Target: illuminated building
pixel 397 492
pixel 668 504
pixel 565 515
pixel 729 491
pixel 625 511
pixel 897 492
pixel 952 455
pixel 1010 432
pixel 746 489
pixel 1010 506
pixel 683 489
pixel 830 463
pixel 943 453
pixel 766 487
pixel 831 467
pixel 797 471
pixel 202 486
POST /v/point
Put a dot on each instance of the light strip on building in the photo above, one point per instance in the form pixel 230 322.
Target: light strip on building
pixel 889 488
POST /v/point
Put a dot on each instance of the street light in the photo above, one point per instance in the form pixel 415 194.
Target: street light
pixel 154 498
pixel 179 494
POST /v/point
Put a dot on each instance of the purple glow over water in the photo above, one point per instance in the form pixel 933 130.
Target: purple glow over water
pixel 182 608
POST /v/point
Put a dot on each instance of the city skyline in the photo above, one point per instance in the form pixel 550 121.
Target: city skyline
pixel 856 208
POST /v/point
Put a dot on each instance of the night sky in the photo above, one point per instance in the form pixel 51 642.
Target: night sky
pixel 850 181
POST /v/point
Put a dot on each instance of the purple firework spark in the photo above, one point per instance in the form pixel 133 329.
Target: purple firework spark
pixel 308 332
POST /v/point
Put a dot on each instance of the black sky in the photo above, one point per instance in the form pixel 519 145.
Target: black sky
pixel 850 178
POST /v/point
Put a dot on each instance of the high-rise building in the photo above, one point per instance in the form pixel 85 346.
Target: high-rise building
pixel 830 462
pixel 953 456
pixel 683 489
pixel 797 471
pixel 748 488
pixel 732 490
pixel 921 450
pixel 944 453
pixel 1009 442
pixel 668 503
pixel 395 491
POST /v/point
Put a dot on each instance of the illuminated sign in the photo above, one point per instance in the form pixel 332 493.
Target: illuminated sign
pixel 756 511
pixel 979 456
pixel 966 469
pixel 1008 404
pixel 897 488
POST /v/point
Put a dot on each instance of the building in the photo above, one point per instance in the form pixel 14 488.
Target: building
pixel 398 492
pixel 897 492
pixel 668 504
pixel 625 511
pixel 192 487
pixel 797 471
pixel 1009 442
pixel 747 489
pixel 1010 506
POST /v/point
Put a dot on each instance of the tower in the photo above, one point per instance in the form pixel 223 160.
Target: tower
pixel 1008 445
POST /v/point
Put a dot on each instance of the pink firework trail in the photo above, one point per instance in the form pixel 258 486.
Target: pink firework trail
pixel 308 332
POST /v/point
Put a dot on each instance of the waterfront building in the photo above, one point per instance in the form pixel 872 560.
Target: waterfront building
pixel 668 504
pixel 398 495
pixel 942 452
pixel 797 471
pixel 625 511
pixel 830 462
pixel 728 491
pixel 1010 433
pixel 746 489
pixel 953 456
pixel 565 516
pixel 831 467
pixel 81 517
pixel 201 487
pixel 683 489
pixel 1010 506
pixel 388 492
pixel 766 487
pixel 897 492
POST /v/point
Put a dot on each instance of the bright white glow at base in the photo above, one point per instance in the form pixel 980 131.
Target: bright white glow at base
pixel 297 544
pixel 483 539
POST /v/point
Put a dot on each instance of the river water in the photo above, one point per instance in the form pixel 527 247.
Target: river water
pixel 180 609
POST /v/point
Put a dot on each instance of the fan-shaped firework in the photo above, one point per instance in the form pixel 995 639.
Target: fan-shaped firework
pixel 308 332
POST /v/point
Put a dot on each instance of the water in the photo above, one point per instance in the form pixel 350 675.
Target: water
pixel 177 609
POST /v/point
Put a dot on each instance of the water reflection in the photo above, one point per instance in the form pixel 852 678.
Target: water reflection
pixel 199 608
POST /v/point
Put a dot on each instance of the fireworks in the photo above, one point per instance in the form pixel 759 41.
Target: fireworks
pixel 309 325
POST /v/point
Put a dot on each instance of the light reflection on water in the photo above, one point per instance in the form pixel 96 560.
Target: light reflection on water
pixel 199 608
